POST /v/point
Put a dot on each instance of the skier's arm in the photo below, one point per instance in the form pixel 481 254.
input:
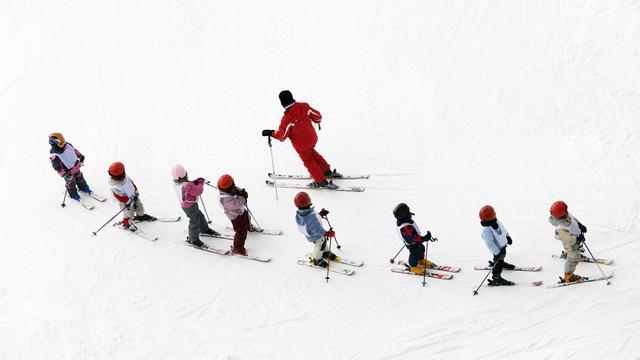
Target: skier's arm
pixel 284 130
pixel 120 196
pixel 487 236
pixel 410 235
pixel 193 189
pixel 314 227
pixel 79 155
pixel 57 165
pixel 314 115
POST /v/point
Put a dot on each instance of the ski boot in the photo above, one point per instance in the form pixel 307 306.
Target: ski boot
pixel 324 184
pixel 197 243
pixel 508 266
pixel 329 255
pixel 426 264
pixel 75 197
pixel 239 251
pixel 333 174
pixel 130 227
pixel 570 277
pixel 145 217
pixel 498 280
pixel 321 263
pixel 210 232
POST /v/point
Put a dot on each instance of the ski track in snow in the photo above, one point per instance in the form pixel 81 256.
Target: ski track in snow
pixel 449 106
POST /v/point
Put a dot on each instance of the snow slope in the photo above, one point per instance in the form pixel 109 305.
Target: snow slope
pixel 448 104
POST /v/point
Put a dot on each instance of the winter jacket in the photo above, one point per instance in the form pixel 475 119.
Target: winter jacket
pixel 567 229
pixel 296 125
pixel 409 232
pixel 310 224
pixel 188 192
pixel 495 239
pixel 65 160
pixel 233 205
pixel 123 190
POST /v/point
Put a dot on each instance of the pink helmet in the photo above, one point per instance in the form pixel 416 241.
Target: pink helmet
pixel 178 172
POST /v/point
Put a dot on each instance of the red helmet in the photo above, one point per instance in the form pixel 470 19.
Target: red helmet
pixel 559 209
pixel 225 182
pixel 487 213
pixel 302 200
pixel 116 169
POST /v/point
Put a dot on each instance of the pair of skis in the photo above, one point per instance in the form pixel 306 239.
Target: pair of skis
pixel 142 234
pixel 446 268
pixel 86 204
pixel 339 260
pixel 291 185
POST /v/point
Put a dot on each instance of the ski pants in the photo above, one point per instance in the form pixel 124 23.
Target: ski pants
pixel 319 248
pixel 572 248
pixel 76 182
pixel 136 208
pixel 197 223
pixel 314 162
pixel 498 262
pixel 416 253
pixel 241 226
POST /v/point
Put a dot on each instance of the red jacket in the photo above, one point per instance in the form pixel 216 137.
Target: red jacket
pixel 296 125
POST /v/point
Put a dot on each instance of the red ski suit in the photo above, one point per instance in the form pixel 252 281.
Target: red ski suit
pixel 296 125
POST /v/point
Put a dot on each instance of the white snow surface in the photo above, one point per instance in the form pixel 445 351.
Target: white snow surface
pixel 450 105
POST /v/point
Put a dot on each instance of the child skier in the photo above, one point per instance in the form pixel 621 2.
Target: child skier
pixel 496 237
pixel 296 124
pixel 126 192
pixel 67 160
pixel 233 201
pixel 310 225
pixel 410 234
pixel 571 233
pixel 188 192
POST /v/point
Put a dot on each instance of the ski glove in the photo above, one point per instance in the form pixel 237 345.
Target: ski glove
pixel 81 158
pixel 582 227
pixel 427 237
pixel 198 181
pixel 509 240
pixel 324 212
pixel 330 234
pixel 267 132
pixel 243 193
pixel 580 240
pixel 68 177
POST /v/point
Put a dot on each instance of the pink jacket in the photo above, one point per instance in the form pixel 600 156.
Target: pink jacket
pixel 190 193
pixel 233 205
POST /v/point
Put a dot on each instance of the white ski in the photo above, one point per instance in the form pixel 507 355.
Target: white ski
pixel 517 268
pixel 308 177
pixel 341 260
pixel 304 186
pixel 141 234
pixel 581 281
pixel 256 230
pixel 331 268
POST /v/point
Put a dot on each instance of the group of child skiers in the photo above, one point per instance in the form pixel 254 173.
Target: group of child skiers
pixel 297 125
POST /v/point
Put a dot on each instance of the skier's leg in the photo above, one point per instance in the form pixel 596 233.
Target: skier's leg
pixel 138 208
pixel 573 258
pixel 70 184
pixel 196 219
pixel 498 263
pixel 318 249
pixel 81 182
pixel 320 161
pixel 306 155
pixel 416 254
pixel 240 226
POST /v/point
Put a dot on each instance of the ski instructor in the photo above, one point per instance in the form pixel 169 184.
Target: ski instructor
pixel 296 125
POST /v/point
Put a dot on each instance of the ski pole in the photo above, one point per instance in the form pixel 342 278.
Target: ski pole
pixel 328 260
pixel 64 199
pixel 253 217
pixel 205 210
pixel 424 275
pixel 475 292
pixel 394 258
pixel 595 261
pixel 273 169
pixel 95 233
pixel 326 217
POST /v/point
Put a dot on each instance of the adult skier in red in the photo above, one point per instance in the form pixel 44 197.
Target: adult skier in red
pixel 297 125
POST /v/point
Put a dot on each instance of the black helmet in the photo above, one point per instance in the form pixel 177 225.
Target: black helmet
pixel 286 98
pixel 402 211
